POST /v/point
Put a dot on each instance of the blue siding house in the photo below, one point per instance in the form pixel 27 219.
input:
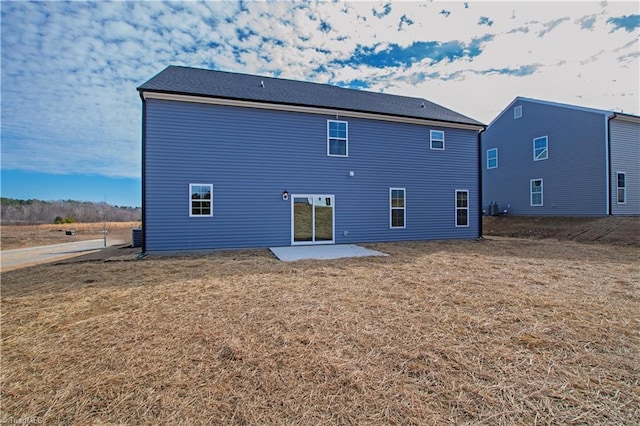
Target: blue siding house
pixel 549 159
pixel 236 161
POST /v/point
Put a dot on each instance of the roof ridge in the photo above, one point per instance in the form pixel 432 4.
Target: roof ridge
pixel 179 79
pixel 330 85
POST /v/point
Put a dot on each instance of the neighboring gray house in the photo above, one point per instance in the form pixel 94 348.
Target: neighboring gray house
pixel 545 158
pixel 234 160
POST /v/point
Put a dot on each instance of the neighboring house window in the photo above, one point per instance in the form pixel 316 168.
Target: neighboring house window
pixel 540 148
pixel 200 199
pixel 536 192
pixel 398 210
pixel 492 158
pixel 622 188
pixel 437 139
pixel 462 208
pixel 337 138
pixel 517 112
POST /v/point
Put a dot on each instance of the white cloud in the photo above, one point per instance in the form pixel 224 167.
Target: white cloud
pixel 69 70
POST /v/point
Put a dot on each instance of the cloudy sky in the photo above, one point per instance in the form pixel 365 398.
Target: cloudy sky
pixel 71 116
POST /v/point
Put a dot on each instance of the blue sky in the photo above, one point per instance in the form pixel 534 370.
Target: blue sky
pixel 71 117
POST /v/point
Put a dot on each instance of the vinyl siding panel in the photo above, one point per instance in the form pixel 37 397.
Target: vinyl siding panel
pixel 251 156
pixel 625 157
pixel 574 174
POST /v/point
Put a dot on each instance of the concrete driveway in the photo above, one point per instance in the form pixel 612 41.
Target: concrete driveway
pixel 20 258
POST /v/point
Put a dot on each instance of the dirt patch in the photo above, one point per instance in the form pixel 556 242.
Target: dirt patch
pixel 464 332
pixel 14 237
pixel 604 230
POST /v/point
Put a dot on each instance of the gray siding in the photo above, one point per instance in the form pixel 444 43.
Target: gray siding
pixel 625 157
pixel 251 156
pixel 574 174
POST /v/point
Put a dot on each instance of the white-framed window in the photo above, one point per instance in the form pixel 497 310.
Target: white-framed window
pixel 397 207
pixel 462 207
pixel 337 138
pixel 536 192
pixel 200 199
pixel 517 112
pixel 492 158
pixel 436 139
pixel 540 148
pixel 621 185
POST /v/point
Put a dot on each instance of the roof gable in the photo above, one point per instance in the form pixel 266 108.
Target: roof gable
pixel 627 117
pixel 521 99
pixel 246 87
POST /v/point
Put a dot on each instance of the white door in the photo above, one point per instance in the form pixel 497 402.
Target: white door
pixel 312 219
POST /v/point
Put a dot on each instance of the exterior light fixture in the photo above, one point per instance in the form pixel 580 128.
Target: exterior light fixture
pixel 285 195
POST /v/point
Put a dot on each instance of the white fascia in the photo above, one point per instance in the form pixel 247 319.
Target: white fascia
pixel 307 109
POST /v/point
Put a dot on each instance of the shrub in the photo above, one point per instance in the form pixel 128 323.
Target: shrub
pixel 59 220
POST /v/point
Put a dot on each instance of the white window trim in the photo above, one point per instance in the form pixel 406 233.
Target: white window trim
pixel 517 112
pixel 431 139
pixel 624 188
pixel 461 208
pixel 292 197
pixel 541 193
pixel 488 151
pixel 391 208
pixel 191 185
pixel 546 138
pixel 346 140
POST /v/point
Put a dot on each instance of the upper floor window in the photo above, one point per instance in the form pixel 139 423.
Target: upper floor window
pixel 535 192
pixel 437 139
pixel 200 199
pixel 540 148
pixel 397 205
pixel 492 158
pixel 337 138
pixel 462 208
pixel 517 112
pixel 622 187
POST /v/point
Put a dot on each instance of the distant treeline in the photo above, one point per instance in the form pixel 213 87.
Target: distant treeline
pixel 31 212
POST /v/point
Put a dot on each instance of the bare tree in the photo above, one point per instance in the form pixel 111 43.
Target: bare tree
pixel 14 211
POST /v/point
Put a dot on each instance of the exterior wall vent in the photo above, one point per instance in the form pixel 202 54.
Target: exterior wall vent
pixel 517 112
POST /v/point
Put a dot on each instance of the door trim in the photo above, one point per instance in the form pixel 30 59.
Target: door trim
pixel 292 197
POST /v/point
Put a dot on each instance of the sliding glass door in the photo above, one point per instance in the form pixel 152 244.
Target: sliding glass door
pixel 312 219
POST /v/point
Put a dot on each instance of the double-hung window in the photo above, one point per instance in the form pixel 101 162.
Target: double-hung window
pixel 462 208
pixel 337 138
pixel 397 206
pixel 622 187
pixel 437 139
pixel 200 199
pixel 536 192
pixel 540 148
pixel 492 158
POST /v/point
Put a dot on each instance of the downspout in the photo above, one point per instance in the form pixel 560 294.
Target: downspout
pixel 144 170
pixel 607 153
pixel 480 162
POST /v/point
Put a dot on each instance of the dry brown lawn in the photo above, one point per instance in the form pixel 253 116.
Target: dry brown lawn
pixel 618 230
pixel 499 331
pixel 19 236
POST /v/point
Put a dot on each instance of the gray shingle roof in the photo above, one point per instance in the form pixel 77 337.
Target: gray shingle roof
pixel 220 84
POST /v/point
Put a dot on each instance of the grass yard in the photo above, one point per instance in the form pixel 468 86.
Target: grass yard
pixel 500 331
pixel 20 236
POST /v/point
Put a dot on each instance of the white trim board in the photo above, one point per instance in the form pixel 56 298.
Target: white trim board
pixel 307 109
